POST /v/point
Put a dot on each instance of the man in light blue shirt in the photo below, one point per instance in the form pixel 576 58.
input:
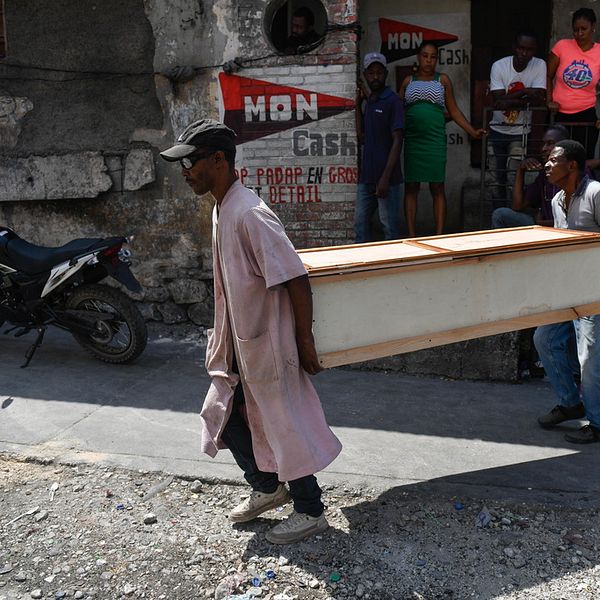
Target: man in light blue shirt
pixel 575 206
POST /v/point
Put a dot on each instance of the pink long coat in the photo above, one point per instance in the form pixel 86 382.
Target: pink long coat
pixel 252 258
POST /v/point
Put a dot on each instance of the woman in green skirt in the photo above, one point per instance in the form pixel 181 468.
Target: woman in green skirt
pixel 427 96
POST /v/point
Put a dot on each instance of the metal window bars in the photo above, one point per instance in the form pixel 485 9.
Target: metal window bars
pixel 498 170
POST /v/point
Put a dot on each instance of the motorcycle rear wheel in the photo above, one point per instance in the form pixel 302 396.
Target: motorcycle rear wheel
pixel 119 340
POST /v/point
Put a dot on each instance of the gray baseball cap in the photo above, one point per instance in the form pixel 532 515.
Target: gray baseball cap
pixel 205 133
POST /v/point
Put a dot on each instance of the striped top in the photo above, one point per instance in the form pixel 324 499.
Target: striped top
pixel 425 91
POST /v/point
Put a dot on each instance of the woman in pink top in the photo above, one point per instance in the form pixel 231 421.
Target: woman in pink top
pixel 573 72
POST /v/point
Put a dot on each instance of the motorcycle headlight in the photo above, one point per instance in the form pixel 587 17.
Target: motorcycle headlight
pixel 124 252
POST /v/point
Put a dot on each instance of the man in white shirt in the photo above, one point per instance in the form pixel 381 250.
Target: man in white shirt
pixel 575 206
pixel 516 82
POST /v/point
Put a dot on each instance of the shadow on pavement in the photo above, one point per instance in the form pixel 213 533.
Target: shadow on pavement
pixel 407 539
pixel 424 539
pixel 170 375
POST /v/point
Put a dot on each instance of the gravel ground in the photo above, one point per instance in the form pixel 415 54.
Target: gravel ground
pixel 93 532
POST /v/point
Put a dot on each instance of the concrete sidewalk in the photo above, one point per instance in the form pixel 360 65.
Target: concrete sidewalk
pixel 451 438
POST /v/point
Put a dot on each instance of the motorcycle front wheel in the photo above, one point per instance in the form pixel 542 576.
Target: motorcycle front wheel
pixel 120 339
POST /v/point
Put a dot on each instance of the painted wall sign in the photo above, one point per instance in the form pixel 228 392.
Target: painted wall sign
pixel 313 143
pixel 401 40
pixel 295 185
pixel 254 108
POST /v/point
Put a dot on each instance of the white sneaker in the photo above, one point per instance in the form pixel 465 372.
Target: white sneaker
pixel 296 527
pixel 257 503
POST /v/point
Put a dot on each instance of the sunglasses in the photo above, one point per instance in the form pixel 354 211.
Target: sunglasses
pixel 189 161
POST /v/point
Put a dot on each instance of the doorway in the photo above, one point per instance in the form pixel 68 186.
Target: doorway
pixel 492 42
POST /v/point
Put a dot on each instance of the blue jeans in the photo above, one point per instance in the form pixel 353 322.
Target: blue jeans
pixel 564 348
pixel 389 212
pixel 507 217
pixel 305 492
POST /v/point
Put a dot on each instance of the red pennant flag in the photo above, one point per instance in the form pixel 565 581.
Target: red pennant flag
pixel 400 40
pixel 256 108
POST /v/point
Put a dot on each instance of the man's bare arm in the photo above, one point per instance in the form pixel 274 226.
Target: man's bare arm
pixel 301 299
pixel 519 98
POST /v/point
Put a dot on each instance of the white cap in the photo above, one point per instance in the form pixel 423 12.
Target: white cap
pixel 374 57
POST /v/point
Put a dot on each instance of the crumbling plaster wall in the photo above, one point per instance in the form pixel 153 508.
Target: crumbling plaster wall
pixel 199 36
pixel 90 80
pixel 83 114
pixel 91 91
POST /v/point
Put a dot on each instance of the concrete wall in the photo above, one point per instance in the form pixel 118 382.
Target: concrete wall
pixel 83 119
pixel 91 91
pixel 561 16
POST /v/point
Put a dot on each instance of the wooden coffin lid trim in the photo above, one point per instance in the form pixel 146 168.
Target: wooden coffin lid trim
pixel 365 271
pixel 373 351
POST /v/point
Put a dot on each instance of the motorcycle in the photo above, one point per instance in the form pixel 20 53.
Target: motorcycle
pixel 60 286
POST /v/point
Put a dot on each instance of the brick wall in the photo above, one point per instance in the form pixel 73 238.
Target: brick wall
pixel 316 225
pixel 305 165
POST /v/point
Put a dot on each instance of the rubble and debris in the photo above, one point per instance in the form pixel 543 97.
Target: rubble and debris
pixel 381 546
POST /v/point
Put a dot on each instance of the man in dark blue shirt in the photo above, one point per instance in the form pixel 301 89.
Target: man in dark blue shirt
pixel 380 125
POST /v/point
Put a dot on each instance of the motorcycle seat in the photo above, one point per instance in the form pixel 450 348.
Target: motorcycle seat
pixel 34 259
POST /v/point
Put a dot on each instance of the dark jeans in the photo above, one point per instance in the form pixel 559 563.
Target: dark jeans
pixel 305 492
pixel 587 135
pixel 504 146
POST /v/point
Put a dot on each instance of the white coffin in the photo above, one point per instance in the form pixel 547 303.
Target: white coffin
pixel 380 299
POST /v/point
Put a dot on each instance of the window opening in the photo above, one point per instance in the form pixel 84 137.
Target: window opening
pixel 296 26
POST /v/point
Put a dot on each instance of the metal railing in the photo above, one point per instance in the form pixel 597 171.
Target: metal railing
pixel 527 144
